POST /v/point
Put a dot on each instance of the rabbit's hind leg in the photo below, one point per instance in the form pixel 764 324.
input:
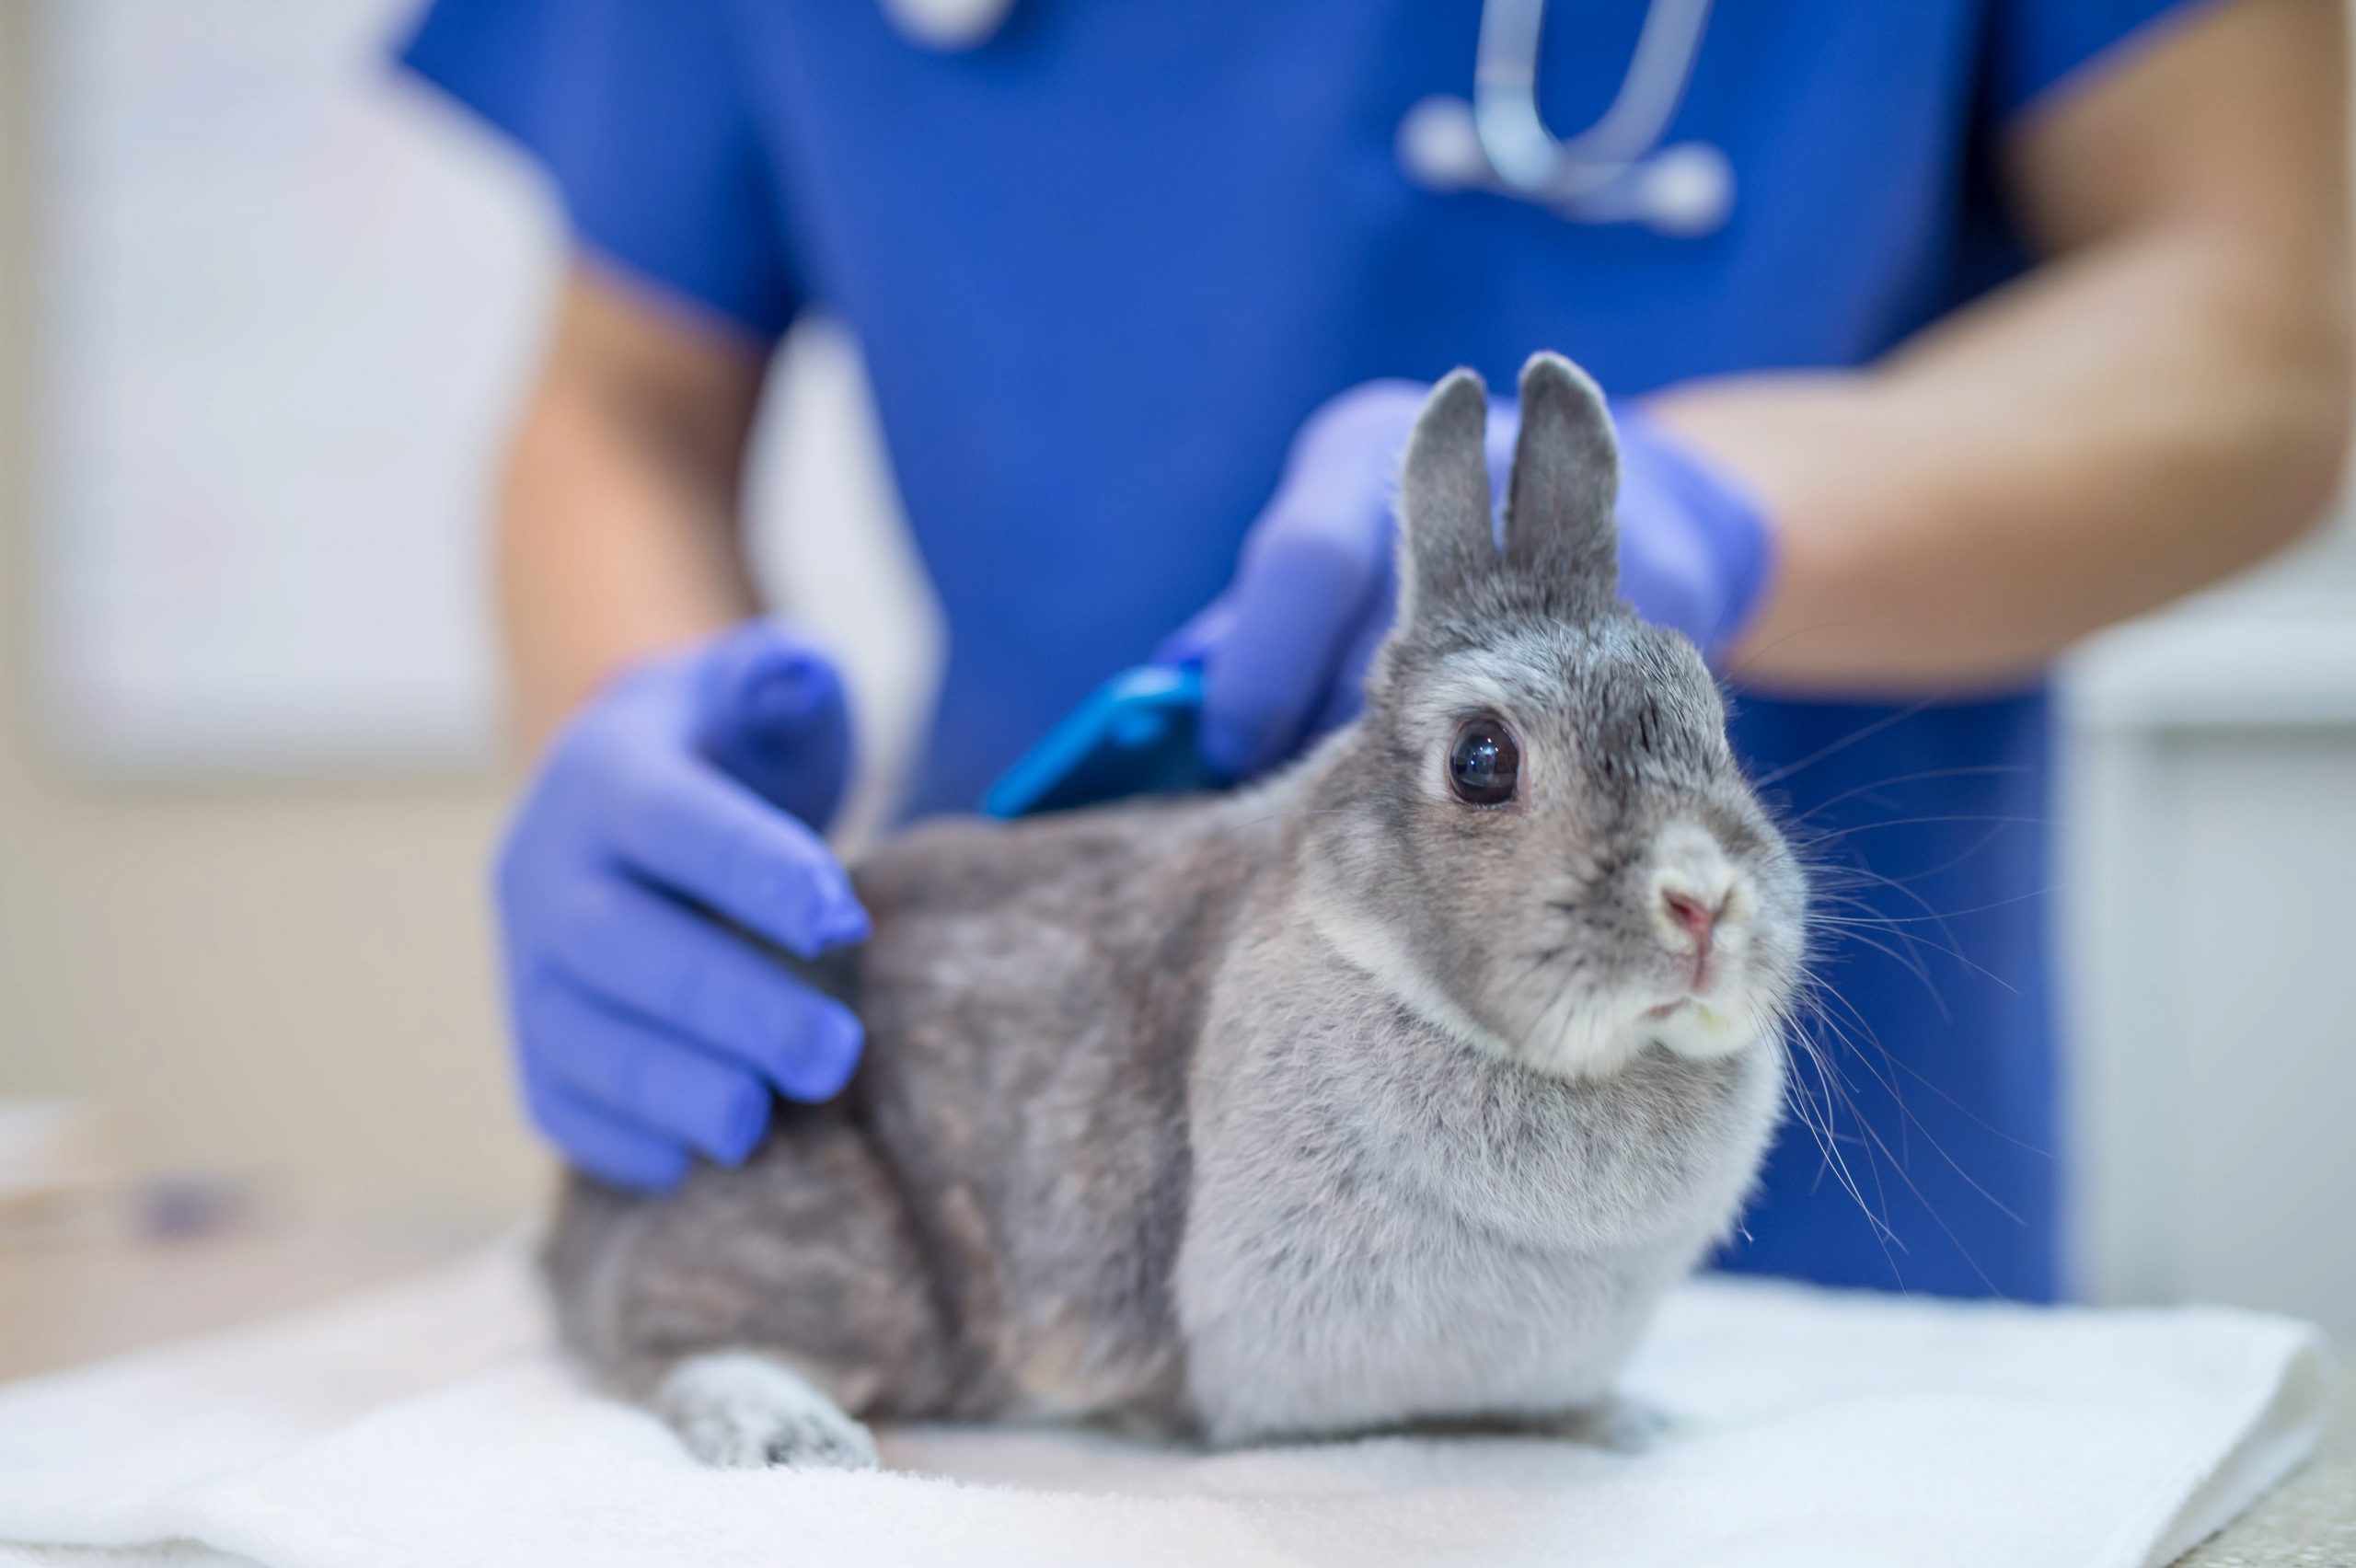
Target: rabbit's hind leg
pixel 753 1308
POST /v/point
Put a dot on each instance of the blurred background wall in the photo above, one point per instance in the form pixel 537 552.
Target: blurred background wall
pixel 264 306
pixel 241 972
pixel 247 780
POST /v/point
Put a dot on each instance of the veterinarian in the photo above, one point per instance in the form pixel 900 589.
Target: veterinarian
pixel 1941 335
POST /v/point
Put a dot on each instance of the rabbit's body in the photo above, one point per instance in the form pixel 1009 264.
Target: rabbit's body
pixel 1399 1087
pixel 1071 1181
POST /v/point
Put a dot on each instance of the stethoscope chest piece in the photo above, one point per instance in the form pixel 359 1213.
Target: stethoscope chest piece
pixel 1618 170
pixel 1685 188
pixel 950 26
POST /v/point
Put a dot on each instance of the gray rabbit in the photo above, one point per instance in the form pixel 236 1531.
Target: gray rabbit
pixel 1397 1089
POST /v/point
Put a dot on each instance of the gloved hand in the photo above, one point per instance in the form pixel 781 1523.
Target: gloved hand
pixel 1285 648
pixel 681 803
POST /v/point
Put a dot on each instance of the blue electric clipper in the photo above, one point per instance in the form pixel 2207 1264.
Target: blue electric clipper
pixel 1135 735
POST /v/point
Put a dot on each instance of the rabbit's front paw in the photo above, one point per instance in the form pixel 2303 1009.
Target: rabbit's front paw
pixel 743 1409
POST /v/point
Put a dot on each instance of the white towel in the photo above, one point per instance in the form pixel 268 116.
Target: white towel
pixel 432 1426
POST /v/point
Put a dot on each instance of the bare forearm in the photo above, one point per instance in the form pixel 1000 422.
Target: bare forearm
pixel 604 558
pixel 2113 434
pixel 618 532
pixel 2164 404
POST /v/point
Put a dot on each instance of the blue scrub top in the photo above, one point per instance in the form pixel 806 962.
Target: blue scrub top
pixel 1104 264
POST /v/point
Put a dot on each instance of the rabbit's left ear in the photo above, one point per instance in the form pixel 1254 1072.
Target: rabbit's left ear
pixel 1447 540
pixel 1559 526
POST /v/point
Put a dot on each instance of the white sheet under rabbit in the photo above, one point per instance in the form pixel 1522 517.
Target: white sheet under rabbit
pixel 430 1425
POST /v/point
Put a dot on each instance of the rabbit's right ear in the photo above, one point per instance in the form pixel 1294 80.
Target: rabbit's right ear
pixel 1559 526
pixel 1448 536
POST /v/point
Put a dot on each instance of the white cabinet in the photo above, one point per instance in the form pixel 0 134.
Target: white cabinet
pixel 2209 887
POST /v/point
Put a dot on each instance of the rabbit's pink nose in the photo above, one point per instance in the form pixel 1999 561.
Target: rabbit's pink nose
pixel 1699 916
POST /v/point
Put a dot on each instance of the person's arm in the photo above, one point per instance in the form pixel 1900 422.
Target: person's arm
pixel 689 752
pixel 2164 401
pixel 618 529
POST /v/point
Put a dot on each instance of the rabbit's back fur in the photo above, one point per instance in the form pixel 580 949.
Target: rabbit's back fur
pixel 987 1221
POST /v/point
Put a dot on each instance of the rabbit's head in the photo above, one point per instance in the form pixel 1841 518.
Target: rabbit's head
pixel 1543 843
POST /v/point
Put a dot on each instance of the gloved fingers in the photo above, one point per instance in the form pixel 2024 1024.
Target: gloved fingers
pixel 1663 576
pixel 1300 594
pixel 770 713
pixel 1666 577
pixel 658 960
pixel 1191 642
pixel 1696 548
pixel 608 1147
pixel 691 830
pixel 630 1069
pixel 1345 694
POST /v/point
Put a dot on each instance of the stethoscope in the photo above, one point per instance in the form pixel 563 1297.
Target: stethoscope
pixel 1615 172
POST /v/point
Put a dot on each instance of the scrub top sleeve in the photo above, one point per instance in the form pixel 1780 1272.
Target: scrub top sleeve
pixel 2039 45
pixel 637 109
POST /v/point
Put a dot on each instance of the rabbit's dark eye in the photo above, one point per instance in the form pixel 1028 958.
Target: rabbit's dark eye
pixel 1484 762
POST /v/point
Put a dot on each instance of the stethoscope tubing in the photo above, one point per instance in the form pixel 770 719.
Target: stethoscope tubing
pixel 1617 170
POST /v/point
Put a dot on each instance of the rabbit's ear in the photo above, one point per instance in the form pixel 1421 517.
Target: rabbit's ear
pixel 1447 540
pixel 1559 523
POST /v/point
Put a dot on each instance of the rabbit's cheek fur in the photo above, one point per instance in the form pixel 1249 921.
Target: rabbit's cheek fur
pixel 1545 930
pixel 1573 975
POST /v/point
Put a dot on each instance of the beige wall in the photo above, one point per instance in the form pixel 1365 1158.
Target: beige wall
pixel 289 979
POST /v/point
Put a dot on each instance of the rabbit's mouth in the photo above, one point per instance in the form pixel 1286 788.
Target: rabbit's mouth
pixel 1715 1008
pixel 1696 1029
pixel 1587 1036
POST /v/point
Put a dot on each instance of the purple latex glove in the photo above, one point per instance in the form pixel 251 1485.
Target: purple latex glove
pixel 1285 648
pixel 675 815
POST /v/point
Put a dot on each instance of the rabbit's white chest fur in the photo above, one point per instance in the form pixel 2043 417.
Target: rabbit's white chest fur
pixel 1382 1226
